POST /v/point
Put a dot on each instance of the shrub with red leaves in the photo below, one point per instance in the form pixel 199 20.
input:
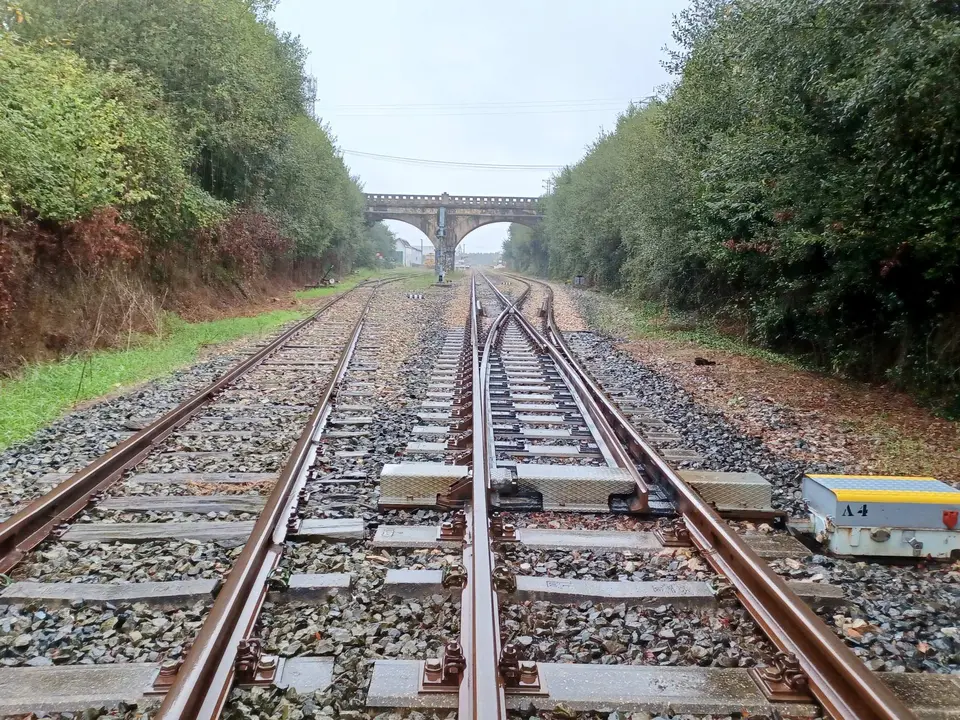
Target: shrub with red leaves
pixel 246 242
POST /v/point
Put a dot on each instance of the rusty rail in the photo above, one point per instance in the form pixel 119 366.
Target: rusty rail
pixel 482 693
pixel 204 679
pixel 36 522
pixel 838 679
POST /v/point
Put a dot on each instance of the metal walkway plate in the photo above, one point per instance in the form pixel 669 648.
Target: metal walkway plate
pixel 576 488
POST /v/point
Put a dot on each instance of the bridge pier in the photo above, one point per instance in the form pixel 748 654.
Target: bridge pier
pixel 446 248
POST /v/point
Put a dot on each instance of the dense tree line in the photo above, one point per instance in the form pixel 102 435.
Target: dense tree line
pixel 173 134
pixel 179 114
pixel 801 174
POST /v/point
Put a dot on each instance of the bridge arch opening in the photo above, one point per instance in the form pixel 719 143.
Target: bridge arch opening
pixel 406 230
pixel 486 239
pixel 493 227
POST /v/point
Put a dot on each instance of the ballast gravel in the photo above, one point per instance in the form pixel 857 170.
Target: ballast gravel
pixel 34 636
pixel 608 567
pixel 623 634
pixel 76 439
pixel 702 430
pixel 155 561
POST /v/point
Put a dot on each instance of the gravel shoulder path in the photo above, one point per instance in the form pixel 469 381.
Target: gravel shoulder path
pixel 803 416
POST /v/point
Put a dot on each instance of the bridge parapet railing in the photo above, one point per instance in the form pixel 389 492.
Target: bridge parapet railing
pixel 452 201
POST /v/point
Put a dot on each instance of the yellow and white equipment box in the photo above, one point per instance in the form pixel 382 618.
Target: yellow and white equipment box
pixel 884 515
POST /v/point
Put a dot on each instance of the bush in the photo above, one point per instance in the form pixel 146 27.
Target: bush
pixel 802 173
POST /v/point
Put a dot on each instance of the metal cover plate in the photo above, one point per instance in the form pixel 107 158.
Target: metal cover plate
pixel 578 473
pixel 424 470
pixel 730 490
pixel 541 419
pixel 417 483
pixel 552 450
pixel 545 432
pixel 574 488
pixel 426 447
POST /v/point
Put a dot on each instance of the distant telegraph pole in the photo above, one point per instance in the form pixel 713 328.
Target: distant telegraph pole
pixel 310 95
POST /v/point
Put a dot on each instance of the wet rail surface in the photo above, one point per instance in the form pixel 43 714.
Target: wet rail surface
pixel 496 579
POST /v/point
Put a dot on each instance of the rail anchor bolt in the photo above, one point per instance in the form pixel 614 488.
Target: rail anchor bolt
pixel 501 531
pixel 444 675
pixel 504 580
pixel 782 680
pixel 677 535
pixel 454 577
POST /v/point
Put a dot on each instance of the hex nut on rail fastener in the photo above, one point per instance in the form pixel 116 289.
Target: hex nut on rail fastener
pixel 252 666
pixel 519 676
pixel 501 531
pixel 443 675
pixel 782 680
pixel 677 535
pixel 454 529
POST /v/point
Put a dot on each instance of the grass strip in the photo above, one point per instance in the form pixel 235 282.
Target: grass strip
pixel 42 392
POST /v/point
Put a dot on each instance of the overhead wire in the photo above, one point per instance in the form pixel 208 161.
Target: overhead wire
pixel 523 107
pixel 451 163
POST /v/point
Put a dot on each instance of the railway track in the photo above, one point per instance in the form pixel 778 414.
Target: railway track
pixel 216 475
pixel 472 521
pixel 533 389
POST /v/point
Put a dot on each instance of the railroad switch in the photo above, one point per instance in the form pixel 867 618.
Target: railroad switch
pixel 444 674
pixel 677 535
pixel 782 680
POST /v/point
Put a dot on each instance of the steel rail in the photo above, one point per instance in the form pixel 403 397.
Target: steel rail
pixel 204 680
pixel 838 679
pixel 33 524
pixel 482 694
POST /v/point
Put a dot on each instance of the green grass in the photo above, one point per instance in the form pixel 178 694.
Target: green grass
pixel 419 279
pixel 649 320
pixel 42 392
pixel 350 281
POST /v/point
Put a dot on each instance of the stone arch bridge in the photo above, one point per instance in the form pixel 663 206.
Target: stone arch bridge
pixel 448 219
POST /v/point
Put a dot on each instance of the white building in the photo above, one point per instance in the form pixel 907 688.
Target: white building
pixel 407 254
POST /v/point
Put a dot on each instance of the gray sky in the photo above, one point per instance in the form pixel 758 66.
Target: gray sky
pixel 524 82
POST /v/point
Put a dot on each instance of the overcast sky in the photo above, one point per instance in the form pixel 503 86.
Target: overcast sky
pixel 519 82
